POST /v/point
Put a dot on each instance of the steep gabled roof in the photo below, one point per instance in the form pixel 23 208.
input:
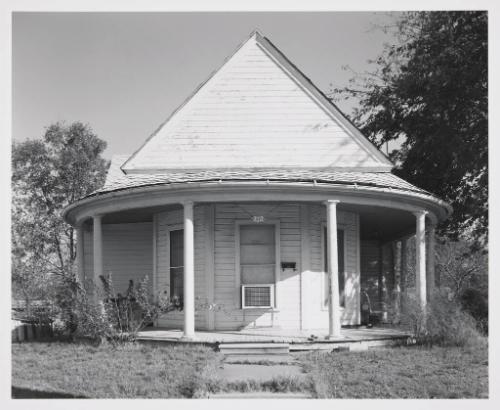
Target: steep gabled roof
pixel 257 111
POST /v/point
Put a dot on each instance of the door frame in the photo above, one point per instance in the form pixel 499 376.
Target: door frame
pixel 237 270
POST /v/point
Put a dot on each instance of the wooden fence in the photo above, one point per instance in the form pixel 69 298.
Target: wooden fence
pixel 22 331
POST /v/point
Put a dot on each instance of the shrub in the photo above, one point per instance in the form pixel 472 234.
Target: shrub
pixel 78 315
pixel 113 316
pixel 475 303
pixel 130 312
pixel 443 322
pixel 91 321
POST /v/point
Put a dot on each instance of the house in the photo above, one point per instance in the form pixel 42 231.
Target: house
pixel 257 196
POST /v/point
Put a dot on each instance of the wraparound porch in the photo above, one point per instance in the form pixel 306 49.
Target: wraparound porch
pixel 313 339
pixel 210 234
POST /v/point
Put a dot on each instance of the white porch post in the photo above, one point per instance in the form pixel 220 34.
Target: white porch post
pixel 420 259
pixel 97 246
pixel 431 249
pixel 333 270
pixel 188 271
pixel 80 264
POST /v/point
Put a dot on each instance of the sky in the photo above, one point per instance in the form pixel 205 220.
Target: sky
pixel 124 73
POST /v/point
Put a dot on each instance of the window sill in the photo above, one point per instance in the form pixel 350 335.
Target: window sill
pixel 260 309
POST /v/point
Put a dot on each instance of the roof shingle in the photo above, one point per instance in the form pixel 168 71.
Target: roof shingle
pixel 117 180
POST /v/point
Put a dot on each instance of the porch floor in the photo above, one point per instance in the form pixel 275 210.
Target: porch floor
pixel 273 335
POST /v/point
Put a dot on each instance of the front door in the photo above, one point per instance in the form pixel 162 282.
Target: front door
pixel 257 265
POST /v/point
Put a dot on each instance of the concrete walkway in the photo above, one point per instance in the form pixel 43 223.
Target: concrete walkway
pixel 260 373
pixel 234 373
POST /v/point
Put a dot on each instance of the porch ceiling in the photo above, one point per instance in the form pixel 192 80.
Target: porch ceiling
pixel 377 223
pixel 137 215
pixel 380 223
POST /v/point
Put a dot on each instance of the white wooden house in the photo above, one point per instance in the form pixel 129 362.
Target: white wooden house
pixel 253 197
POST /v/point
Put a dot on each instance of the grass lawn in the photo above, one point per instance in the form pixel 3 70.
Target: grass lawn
pixel 404 372
pixel 128 371
pixel 175 371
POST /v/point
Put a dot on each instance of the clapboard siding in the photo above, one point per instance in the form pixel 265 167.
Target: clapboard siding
pixel 227 292
pixel 127 253
pixel 318 314
pixel 250 114
pixel 165 222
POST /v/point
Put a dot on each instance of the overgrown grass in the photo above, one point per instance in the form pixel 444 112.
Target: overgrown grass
pixel 125 371
pixel 403 372
pixel 176 371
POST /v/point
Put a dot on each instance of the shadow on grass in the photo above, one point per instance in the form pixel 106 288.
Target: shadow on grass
pixel 24 393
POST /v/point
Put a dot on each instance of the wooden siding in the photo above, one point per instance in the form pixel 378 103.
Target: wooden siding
pixel 291 311
pixel 317 312
pixel 174 220
pixel 252 114
pixel 227 290
pixel 127 253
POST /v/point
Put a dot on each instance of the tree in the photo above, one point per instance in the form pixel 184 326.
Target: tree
pixel 459 269
pixel 47 175
pixel 429 92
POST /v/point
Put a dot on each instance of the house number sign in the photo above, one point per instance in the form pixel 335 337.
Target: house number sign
pixel 257 218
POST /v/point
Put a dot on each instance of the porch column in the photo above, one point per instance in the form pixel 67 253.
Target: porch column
pixel 97 245
pixel 188 271
pixel 80 264
pixel 420 258
pixel 431 249
pixel 333 270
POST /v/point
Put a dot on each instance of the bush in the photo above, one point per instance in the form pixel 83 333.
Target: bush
pixel 128 313
pixel 115 316
pixel 475 303
pixel 77 314
pixel 443 323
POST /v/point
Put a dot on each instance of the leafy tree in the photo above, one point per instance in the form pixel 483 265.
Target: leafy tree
pixel 429 92
pixel 47 175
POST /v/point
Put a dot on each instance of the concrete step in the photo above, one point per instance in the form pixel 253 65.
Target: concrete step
pixel 254 348
pixel 259 358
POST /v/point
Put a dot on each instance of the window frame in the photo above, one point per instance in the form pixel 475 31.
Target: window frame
pixel 170 228
pixel 324 306
pixel 277 245
pixel 269 285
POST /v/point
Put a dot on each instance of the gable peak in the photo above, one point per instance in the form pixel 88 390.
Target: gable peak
pixel 239 100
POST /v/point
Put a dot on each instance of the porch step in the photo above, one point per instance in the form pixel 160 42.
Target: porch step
pixel 254 348
pixel 259 359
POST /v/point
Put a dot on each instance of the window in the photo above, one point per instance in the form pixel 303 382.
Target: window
pixel 177 266
pixel 340 252
pixel 257 264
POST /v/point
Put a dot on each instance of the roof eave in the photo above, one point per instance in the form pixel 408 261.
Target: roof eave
pixel 443 209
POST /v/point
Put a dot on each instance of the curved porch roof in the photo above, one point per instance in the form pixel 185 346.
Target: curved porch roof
pixel 355 188
pixel 118 180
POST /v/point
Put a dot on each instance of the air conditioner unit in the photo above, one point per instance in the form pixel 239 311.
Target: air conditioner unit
pixel 257 296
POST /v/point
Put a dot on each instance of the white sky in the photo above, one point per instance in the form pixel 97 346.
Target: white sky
pixel 124 73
